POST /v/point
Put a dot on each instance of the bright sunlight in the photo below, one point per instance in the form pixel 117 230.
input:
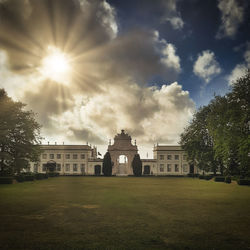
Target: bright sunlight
pixel 55 66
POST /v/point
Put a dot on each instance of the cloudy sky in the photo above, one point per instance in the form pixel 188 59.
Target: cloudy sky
pixel 90 68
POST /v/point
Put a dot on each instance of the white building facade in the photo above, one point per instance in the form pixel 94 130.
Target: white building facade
pixel 83 159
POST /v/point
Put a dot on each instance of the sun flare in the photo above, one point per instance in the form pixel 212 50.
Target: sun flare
pixel 56 66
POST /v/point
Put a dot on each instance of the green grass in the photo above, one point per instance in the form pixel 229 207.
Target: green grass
pixel 124 213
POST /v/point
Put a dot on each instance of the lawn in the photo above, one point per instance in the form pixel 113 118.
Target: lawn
pixel 124 213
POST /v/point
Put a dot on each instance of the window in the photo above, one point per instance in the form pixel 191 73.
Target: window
pixel 58 156
pixel 44 156
pixel 161 167
pixel 74 156
pixel 161 157
pixel 176 167
pixel 83 168
pixel 44 167
pixel 35 167
pixel 58 167
pixel 74 167
pixel 176 157
pixel 169 157
pixel 169 168
pixel 67 156
pixel 51 156
pixel 82 156
pixel 67 167
pixel 185 169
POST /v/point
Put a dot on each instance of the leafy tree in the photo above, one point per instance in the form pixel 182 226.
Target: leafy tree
pixel 198 143
pixel 107 165
pixel 19 135
pixel 137 165
pixel 219 134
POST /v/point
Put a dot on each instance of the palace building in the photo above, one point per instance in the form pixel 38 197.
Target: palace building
pixel 84 160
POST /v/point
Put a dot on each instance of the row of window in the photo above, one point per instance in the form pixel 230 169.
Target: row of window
pixel 169 157
pixel 174 168
pixel 68 167
pixel 59 156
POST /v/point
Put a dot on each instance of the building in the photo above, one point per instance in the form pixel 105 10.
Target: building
pixel 83 159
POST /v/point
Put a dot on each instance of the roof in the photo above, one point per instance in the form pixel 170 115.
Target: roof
pixel 168 148
pixel 66 147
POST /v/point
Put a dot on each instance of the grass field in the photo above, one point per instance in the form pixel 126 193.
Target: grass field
pixel 124 213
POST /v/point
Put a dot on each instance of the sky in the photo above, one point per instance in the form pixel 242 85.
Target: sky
pixel 89 68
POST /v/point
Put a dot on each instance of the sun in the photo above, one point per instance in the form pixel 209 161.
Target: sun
pixel 56 66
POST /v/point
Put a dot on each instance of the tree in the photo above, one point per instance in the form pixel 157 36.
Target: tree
pixel 219 134
pixel 19 135
pixel 229 125
pixel 107 165
pixel 137 165
pixel 198 143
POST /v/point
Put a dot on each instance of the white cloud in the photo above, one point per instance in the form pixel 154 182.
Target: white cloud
pixel 176 22
pixel 232 15
pixel 206 66
pixel 170 59
pixel 240 69
pixel 149 114
pixel 172 15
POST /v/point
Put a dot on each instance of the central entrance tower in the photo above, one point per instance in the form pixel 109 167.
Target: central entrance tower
pixel 122 153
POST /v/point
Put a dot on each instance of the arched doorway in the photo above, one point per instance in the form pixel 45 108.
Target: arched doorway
pixel 97 170
pixel 51 166
pixel 146 170
pixel 122 165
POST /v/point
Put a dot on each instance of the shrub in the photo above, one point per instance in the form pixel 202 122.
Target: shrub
pixel 219 179
pixel 52 174
pixel 227 179
pixel 192 175
pixel 29 177
pixel 40 176
pixel 202 177
pixel 20 178
pixel 244 182
pixel 208 177
pixel 6 180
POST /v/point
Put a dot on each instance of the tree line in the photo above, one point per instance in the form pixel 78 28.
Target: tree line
pixel 218 138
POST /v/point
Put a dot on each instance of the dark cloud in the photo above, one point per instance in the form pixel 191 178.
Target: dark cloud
pixel 85 135
pixel 49 99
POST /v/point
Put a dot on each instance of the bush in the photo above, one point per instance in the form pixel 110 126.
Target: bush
pixel 29 177
pixel 20 178
pixel 202 177
pixel 227 179
pixel 192 175
pixel 243 182
pixel 219 179
pixel 53 174
pixel 40 176
pixel 208 177
pixel 6 180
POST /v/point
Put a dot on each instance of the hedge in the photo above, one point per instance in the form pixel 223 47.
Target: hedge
pixel 29 177
pixel 20 178
pixel 192 175
pixel 202 177
pixel 208 177
pixel 227 179
pixel 244 182
pixel 40 176
pixel 6 180
pixel 53 174
pixel 219 179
